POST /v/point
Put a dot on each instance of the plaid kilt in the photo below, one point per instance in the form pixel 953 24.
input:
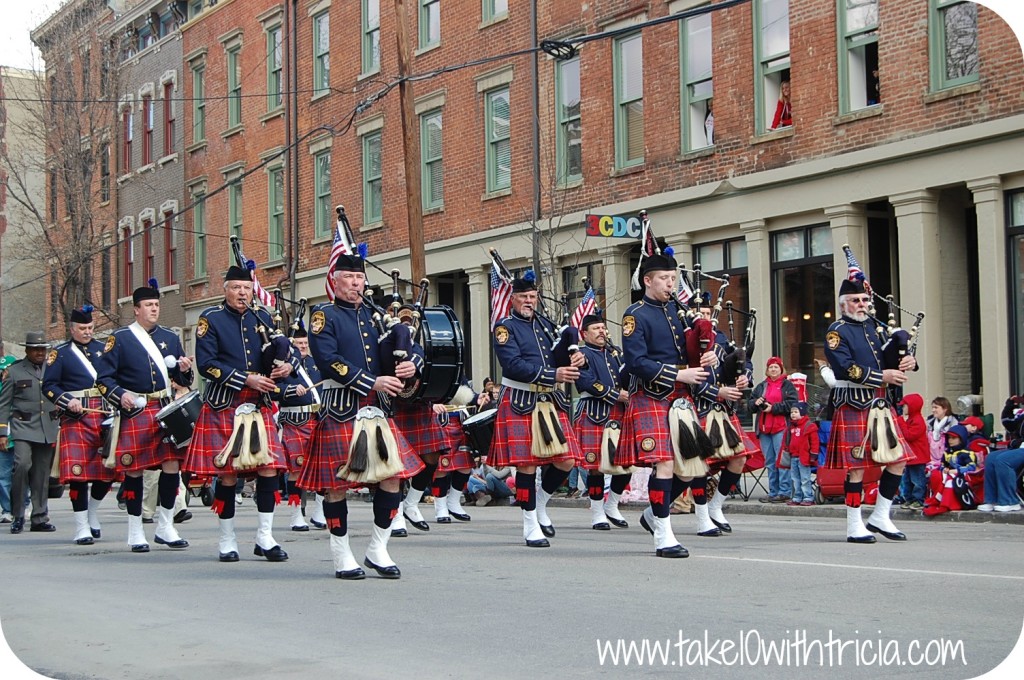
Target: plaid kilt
pixel 213 430
pixel 590 435
pixel 461 456
pixel 513 438
pixel 751 444
pixel 80 441
pixel 329 450
pixel 646 437
pixel 140 443
pixel 296 440
pixel 849 425
pixel 419 425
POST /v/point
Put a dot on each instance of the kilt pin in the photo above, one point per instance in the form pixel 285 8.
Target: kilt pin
pixel 459 456
pixel 590 434
pixel 646 438
pixel 296 439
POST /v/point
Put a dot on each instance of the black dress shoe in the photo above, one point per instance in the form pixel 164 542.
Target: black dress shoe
pixel 84 541
pixel 45 526
pixel 602 526
pixel 674 551
pixel 620 523
pixel 891 535
pixel 539 543
pixel 399 533
pixel 710 533
pixel 385 572
pixel 230 556
pixel 304 527
pixel 147 520
pixel 180 544
pixel 548 530
pixel 860 539
pixel 422 526
pixel 461 517
pixel 182 516
pixel 140 548
pixel 95 533
pixel 318 525
pixel 724 526
pixel 17 525
pixel 645 525
pixel 356 574
pixel 444 520
pixel 275 554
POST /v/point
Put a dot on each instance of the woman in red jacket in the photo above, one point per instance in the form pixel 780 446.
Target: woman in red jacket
pixel 915 431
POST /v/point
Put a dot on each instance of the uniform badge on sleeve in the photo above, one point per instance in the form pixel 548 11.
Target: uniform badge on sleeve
pixel 855 372
pixel 832 339
pixel 501 335
pixel 340 368
pixel 214 373
pixel 51 356
pixel 110 344
pixel 599 387
pixel 317 323
pixel 628 325
pixel 202 327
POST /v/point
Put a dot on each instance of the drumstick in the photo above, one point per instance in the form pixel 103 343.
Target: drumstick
pixel 96 410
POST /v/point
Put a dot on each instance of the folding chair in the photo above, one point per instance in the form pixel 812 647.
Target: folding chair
pixel 752 476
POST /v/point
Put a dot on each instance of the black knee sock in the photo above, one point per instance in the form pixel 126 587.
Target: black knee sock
pixel 526 490
pixel 659 491
pixel 441 486
pixel 727 481
pixel 336 514
pixel 619 483
pixel 224 500
pixel 853 491
pixel 100 490
pixel 888 485
pixel 167 489
pixel 421 480
pixel 595 485
pixel 679 487
pixel 385 507
pixel 699 489
pixel 552 478
pixel 266 493
pixel 459 479
pixel 79 495
pixel 133 495
pixel 294 493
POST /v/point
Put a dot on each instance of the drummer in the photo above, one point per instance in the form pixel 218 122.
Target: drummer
pixel 69 382
pixel 453 469
pixel 135 373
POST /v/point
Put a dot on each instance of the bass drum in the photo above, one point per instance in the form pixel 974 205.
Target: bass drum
pixel 442 342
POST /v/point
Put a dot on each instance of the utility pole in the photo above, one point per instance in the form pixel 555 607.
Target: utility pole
pixel 413 200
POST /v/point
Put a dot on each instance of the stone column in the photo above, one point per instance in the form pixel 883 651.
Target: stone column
pixel 921 283
pixel 759 272
pixel 480 311
pixel 994 300
pixel 849 225
pixel 615 260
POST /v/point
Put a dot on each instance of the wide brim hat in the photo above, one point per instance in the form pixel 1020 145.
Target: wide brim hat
pixel 36 339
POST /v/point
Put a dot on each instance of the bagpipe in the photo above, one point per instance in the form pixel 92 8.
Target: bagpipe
pixel 275 349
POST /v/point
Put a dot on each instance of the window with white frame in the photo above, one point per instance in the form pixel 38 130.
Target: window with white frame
pixel 697 91
pixel 772 109
pixel 169 119
pixel 953 42
pixel 497 130
pixel 629 101
pixel 569 156
pixel 147 130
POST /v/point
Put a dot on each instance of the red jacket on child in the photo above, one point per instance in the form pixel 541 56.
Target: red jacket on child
pixel 915 429
pixel 802 441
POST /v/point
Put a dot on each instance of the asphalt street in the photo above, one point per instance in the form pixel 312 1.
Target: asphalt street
pixel 474 602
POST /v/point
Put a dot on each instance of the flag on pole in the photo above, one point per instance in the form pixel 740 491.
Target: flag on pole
pixel 265 297
pixel 685 293
pixel 501 296
pixel 339 247
pixel 587 306
pixel 853 269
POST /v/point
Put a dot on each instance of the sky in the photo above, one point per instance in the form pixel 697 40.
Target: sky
pixel 19 18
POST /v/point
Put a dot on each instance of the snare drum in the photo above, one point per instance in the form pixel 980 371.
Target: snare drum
pixel 179 418
pixel 479 430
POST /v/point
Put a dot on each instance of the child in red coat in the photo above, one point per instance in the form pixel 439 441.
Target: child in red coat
pixel 915 432
pixel 802 443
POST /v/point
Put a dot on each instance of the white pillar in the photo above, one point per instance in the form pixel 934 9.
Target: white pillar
pixel 480 312
pixel 617 275
pixel 849 225
pixel 759 273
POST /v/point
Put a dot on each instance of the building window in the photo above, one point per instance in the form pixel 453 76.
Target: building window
pixel 52 203
pixel 106 287
pixel 149 257
pixel 569 159
pixel 275 196
pixel 432 172
pixel 145 39
pixel 128 258
pixel 497 128
pixel 86 94
pixel 321 53
pixel 572 284
pixel 494 9
pixel 430 22
pixel 168 119
pixel 371 36
pixel 54 295
pixel 127 134
pixel 1015 233
pixel 858 55
pixel 147 130
pixel 274 68
pixel 629 102
pixel 373 174
pixel 195 7
pixel 170 250
pixel 771 50
pixel 698 117
pixel 198 104
pixel 235 208
pixel 199 234
pixel 803 298
pixel 234 87
pixel 322 187
pixel 105 173
pixel 953 40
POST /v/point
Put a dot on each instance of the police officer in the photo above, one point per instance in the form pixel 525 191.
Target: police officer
pixel 229 344
pixel 70 383
pixel 853 350
pixel 344 342
pixel 300 402
pixel 655 356
pixel 134 373
pixel 27 419
pixel 523 343
pixel 602 401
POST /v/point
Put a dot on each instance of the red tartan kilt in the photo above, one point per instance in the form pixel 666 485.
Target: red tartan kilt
pixel 419 425
pixel 590 435
pixel 296 440
pixel 849 425
pixel 80 440
pixel 751 444
pixel 213 430
pixel 513 438
pixel 645 437
pixel 140 443
pixel 459 459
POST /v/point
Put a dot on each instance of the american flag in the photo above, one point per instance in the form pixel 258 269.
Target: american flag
pixel 265 297
pixel 587 306
pixel 853 271
pixel 339 247
pixel 685 293
pixel 501 296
